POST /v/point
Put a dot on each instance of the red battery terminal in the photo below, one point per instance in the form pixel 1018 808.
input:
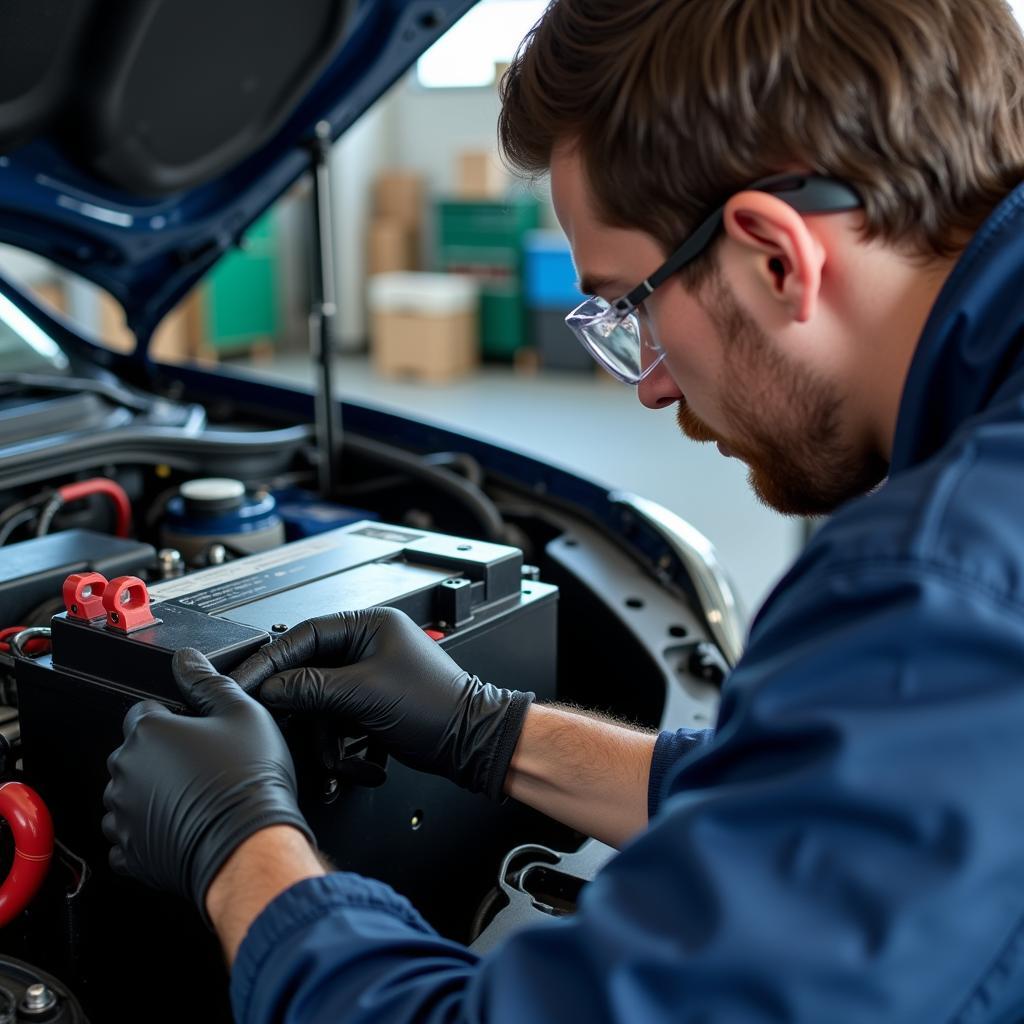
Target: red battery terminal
pixel 126 601
pixel 83 596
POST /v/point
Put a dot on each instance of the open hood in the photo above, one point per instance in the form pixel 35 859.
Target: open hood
pixel 140 138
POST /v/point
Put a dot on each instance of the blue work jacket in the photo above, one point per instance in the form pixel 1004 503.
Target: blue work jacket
pixel 849 845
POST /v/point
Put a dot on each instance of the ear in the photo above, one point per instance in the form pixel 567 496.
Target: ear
pixel 790 259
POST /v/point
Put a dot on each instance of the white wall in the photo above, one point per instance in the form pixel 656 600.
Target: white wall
pixel 365 150
pixel 433 125
pixel 414 129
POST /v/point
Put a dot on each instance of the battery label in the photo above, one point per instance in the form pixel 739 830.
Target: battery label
pixel 388 533
pixel 245 580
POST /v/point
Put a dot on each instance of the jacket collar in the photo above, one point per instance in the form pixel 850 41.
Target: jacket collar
pixel 972 341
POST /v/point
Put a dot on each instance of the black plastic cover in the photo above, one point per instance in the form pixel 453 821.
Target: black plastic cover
pixel 37 63
pixel 34 571
pixel 158 96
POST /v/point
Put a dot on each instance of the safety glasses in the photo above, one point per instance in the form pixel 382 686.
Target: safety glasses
pixel 614 334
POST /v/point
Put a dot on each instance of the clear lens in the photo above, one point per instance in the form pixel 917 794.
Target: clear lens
pixel 616 341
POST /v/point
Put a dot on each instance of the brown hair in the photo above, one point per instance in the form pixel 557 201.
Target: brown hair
pixel 676 104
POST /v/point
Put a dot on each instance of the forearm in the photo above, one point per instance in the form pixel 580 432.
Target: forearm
pixel 589 773
pixel 264 866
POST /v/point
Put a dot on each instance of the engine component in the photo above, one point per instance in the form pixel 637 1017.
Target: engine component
pixel 29 821
pixel 218 510
pixel 171 564
pixel 126 601
pixel 306 514
pixel 403 827
pixel 83 595
pixel 33 571
pixel 28 994
pixel 451 586
pixel 86 489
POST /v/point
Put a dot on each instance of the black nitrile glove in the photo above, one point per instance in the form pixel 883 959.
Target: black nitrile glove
pixel 379 673
pixel 185 792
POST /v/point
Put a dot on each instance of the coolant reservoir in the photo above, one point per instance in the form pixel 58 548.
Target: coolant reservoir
pixel 214 517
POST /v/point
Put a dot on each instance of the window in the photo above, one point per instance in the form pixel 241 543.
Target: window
pixel 488 36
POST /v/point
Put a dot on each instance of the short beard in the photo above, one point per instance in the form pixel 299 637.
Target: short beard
pixel 784 420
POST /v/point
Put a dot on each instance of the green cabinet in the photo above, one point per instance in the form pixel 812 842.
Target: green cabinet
pixel 485 240
pixel 243 308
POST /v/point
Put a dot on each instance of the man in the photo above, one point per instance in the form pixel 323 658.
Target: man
pixel 846 307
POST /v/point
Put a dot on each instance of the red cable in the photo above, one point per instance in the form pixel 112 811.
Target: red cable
pixel 101 485
pixel 32 827
pixel 34 646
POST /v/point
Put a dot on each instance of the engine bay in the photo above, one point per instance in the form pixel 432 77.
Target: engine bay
pixel 124 538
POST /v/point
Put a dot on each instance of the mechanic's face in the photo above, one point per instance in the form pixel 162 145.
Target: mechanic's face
pixel 730 382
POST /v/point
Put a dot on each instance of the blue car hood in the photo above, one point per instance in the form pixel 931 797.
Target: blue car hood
pixel 139 140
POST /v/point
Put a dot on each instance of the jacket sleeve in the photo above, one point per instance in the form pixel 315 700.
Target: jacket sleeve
pixel 670 750
pixel 847 848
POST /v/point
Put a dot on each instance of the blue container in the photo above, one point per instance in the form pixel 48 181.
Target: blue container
pixel 306 514
pixel 550 277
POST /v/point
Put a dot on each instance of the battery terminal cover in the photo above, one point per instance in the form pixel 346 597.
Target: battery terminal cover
pixel 83 595
pixel 126 601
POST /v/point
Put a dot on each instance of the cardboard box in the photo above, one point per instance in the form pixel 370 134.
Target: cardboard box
pixel 52 295
pixel 401 196
pixel 431 348
pixel 391 245
pixel 178 339
pixel 424 325
pixel 480 175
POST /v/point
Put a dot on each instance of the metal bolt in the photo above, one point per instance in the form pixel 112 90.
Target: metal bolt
pixel 278 627
pixel 114 617
pixel 171 563
pixel 217 555
pixel 38 998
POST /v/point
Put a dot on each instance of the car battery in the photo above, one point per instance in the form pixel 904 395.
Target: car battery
pixel 32 571
pixel 384 820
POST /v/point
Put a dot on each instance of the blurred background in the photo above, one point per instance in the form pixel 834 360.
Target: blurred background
pixel 453 282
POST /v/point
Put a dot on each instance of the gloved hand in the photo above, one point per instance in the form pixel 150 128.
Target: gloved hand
pixel 380 673
pixel 185 792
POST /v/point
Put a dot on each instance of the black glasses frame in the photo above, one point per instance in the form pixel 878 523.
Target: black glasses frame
pixel 806 193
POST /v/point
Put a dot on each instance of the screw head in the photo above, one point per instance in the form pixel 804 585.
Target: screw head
pixel 38 999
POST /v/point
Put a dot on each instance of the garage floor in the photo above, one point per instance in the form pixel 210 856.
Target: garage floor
pixel 598 429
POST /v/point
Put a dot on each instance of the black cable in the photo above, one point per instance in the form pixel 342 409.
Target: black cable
pixel 447 460
pixel 491 905
pixel 20 506
pixel 49 512
pixel 370 487
pixel 158 506
pixel 465 464
pixel 12 524
pixel 471 497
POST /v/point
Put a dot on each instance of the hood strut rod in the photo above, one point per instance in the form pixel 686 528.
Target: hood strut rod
pixel 323 315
